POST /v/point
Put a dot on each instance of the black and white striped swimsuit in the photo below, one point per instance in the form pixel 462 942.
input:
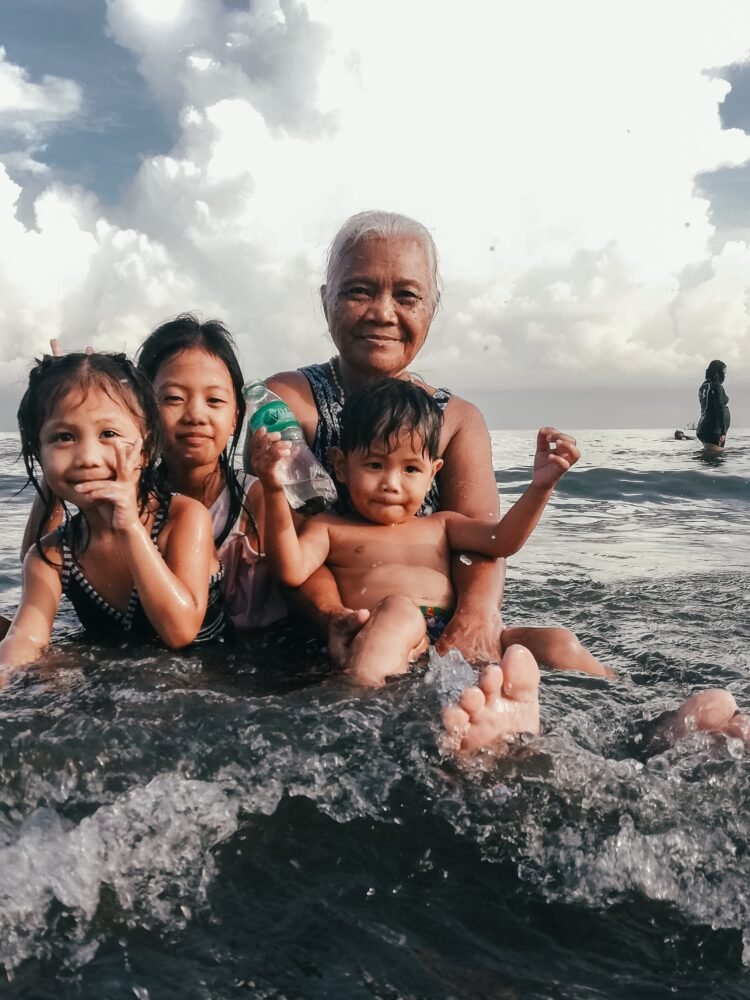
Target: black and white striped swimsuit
pixel 329 403
pixel 103 621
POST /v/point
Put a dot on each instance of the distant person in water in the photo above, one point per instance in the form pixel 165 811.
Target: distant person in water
pixel 682 436
pixel 714 420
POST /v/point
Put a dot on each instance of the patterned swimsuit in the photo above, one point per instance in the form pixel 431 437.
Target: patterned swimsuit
pixel 102 621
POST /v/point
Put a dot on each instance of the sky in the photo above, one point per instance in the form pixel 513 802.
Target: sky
pixel 584 168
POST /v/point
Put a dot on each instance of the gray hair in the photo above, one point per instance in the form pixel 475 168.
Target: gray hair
pixel 378 225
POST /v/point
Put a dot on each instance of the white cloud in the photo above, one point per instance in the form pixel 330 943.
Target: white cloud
pixel 552 148
pixel 30 108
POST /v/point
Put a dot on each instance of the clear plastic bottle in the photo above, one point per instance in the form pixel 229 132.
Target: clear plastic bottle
pixel 307 485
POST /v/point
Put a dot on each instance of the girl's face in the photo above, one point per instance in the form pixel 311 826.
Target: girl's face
pixel 80 440
pixel 198 408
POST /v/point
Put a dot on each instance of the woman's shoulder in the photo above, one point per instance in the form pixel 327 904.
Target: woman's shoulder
pixel 291 386
pixel 460 413
pixel 296 391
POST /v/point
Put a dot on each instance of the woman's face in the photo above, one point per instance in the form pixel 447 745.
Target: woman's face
pixel 382 309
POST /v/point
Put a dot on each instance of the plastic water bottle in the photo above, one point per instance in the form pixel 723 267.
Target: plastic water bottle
pixel 307 485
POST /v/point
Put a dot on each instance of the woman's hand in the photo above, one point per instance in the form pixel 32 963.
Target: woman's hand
pixel 268 452
pixel 117 498
pixel 476 637
pixel 555 454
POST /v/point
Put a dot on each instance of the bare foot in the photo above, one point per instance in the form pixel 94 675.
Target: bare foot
pixel 739 728
pixel 711 711
pixel 505 704
pixel 708 711
pixel 343 625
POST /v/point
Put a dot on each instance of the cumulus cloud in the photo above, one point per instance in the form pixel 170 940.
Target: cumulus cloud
pixel 29 108
pixel 552 151
pixel 198 52
pixel 29 111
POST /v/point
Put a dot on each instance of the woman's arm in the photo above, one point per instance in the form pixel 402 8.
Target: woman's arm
pixel 467 486
pixel 31 628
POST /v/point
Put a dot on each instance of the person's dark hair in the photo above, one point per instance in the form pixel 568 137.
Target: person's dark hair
pixel 716 370
pixel 185 333
pixel 384 411
pixel 51 379
pixel 679 435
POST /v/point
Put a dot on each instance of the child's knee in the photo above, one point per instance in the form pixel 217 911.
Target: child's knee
pixel 398 607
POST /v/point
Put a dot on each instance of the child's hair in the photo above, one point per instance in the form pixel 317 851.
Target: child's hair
pixel 386 410
pixel 52 378
pixel 184 333
pixel 716 370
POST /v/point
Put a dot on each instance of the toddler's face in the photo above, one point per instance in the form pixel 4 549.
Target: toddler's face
pixel 387 486
pixel 80 441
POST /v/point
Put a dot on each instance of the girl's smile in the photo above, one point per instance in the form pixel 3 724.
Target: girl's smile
pixel 198 408
pixel 79 442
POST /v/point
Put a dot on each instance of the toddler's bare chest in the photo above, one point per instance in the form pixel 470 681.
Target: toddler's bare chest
pixel 414 544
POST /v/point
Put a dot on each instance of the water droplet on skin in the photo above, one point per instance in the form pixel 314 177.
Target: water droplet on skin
pixel 464 559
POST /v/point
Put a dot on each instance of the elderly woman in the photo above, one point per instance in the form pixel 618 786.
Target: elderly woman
pixel 379 299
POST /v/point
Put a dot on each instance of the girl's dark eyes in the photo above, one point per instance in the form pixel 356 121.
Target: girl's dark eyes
pixel 109 433
pixel 171 399
pixel 62 436
pixel 412 468
pixel 216 401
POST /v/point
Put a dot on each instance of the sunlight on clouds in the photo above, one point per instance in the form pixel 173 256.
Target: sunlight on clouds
pixel 157 12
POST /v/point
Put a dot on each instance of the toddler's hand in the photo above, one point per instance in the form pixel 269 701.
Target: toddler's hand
pixel 268 452
pixel 555 453
pixel 117 498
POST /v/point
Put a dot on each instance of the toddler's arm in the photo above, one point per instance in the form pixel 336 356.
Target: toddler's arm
pixel 292 557
pixel 503 538
pixel 32 625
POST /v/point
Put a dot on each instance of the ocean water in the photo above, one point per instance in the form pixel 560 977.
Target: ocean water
pixel 243 824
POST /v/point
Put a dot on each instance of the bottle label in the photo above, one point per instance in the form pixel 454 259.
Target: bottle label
pixel 274 416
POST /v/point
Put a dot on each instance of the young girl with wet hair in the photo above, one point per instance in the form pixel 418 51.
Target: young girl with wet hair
pixel 137 563
pixel 197 380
